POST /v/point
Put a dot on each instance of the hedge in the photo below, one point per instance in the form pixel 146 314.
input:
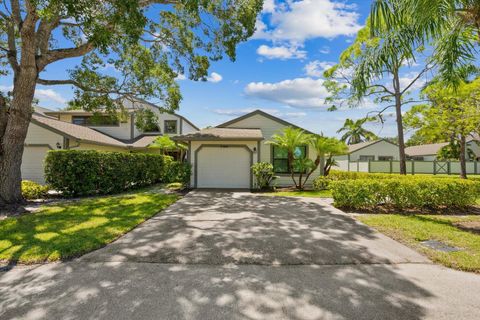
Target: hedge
pixel 94 172
pixel 352 175
pixel 405 193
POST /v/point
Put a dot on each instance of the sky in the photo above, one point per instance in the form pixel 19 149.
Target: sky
pixel 279 70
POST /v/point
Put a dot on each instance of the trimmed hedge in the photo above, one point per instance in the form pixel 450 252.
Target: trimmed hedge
pixel 176 172
pixel 33 190
pixel 405 193
pixel 93 172
pixel 353 175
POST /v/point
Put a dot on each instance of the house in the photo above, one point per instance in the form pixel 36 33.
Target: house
pixel 56 130
pixel 428 152
pixel 221 157
pixel 382 150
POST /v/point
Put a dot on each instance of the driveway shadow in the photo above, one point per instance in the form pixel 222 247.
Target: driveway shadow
pixel 243 228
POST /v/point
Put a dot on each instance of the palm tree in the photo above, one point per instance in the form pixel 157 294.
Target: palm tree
pixel 166 144
pixel 354 132
pixel 451 26
pixel 290 139
pixel 326 148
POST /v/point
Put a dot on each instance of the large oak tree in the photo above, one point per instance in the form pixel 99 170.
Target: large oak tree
pixel 149 42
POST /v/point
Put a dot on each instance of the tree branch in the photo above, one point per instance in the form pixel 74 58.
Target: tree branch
pixel 59 54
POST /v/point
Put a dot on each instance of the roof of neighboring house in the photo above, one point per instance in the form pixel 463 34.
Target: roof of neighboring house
pixel 222 134
pixel 262 113
pixel 361 145
pixel 74 131
pixel 425 149
pixel 142 141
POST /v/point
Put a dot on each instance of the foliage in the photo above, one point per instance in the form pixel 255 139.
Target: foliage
pixel 165 144
pixel 322 183
pixel 146 120
pixel 327 148
pixel 176 171
pixel 33 190
pixel 452 115
pixel 93 172
pixel 354 132
pixel 405 193
pixel 450 27
pixel 415 228
pixel 66 230
pixel 452 152
pixel 264 174
pixel 290 139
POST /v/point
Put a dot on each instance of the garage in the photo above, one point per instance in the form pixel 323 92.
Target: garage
pixel 33 163
pixel 223 166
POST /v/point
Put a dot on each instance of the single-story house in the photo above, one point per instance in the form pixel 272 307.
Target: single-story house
pixel 221 157
pixel 71 129
pixel 428 152
pixel 381 149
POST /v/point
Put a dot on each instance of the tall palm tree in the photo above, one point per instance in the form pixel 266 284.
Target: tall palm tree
pixel 290 139
pixel 451 26
pixel 354 131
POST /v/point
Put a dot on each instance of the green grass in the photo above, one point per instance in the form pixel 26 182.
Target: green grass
pixel 412 229
pixel 306 193
pixel 71 229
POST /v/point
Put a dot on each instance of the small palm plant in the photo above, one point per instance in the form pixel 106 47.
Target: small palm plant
pixel 166 144
pixel 354 131
pixel 290 139
pixel 326 148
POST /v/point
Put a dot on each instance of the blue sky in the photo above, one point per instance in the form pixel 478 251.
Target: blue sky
pixel 278 70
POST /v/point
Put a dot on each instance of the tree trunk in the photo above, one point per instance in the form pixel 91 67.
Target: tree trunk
pixel 463 160
pixel 290 167
pixel 398 111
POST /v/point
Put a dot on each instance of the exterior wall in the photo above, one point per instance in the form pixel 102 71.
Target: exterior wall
pixel 270 127
pixel 381 148
pixel 474 146
pixel 195 145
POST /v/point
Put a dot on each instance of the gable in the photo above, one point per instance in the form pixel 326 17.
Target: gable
pixel 267 125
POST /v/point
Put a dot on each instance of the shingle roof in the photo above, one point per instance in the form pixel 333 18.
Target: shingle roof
pixel 75 131
pixel 143 142
pixel 357 146
pixel 222 134
pixel 425 149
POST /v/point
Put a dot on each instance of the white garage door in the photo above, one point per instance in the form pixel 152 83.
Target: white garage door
pixel 223 167
pixel 33 163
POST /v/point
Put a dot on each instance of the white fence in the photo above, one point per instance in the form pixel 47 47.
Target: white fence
pixel 413 167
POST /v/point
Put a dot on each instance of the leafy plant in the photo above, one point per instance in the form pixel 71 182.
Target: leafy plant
pixel 321 183
pixel 354 132
pixel 146 120
pixel 33 190
pixel 264 174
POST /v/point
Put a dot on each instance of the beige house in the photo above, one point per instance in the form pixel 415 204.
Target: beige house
pixel 428 152
pixel 56 130
pixel 222 157
pixel 382 150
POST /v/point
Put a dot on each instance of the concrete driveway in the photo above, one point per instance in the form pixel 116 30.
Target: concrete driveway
pixel 219 255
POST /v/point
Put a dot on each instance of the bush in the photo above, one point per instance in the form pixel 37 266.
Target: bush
pixel 93 172
pixel 405 193
pixel 177 172
pixel 321 183
pixel 264 174
pixel 33 190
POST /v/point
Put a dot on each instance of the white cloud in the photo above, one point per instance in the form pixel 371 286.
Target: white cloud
pixel 281 52
pixel 49 94
pixel 325 50
pixel 297 21
pixel 180 77
pixel 214 77
pixel 299 92
pixel 268 6
pixel 317 68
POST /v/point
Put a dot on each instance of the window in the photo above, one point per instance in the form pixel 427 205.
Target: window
pixel 366 158
pixel 280 158
pixel 385 158
pixel 417 158
pixel 95 120
pixel 170 126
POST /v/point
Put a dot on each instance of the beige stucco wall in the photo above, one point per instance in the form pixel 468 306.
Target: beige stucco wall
pixel 270 127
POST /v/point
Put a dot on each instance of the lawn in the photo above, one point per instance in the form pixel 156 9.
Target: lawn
pixel 412 229
pixel 305 193
pixel 73 228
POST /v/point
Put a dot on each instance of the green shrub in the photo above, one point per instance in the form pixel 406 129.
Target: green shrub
pixel 264 174
pixel 321 183
pixel 177 172
pixel 405 193
pixel 93 172
pixel 33 190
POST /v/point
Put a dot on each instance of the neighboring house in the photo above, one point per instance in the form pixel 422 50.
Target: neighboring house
pixel 222 157
pixel 382 150
pixel 55 130
pixel 428 152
